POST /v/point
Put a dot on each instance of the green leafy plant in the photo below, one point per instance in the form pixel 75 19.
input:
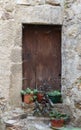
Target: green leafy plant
pixel 54 93
pixel 58 115
pixel 26 91
pixel 55 96
pixel 35 91
pixel 29 91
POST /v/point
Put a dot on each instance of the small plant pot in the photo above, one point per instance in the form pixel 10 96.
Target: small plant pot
pixel 57 123
pixel 55 99
pixel 40 97
pixel 28 98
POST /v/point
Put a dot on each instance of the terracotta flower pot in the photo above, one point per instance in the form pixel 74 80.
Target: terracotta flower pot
pixel 28 98
pixel 57 122
pixel 40 97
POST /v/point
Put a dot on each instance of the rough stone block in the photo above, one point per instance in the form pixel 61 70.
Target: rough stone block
pixel 18 36
pixel 7 33
pixel 5 81
pixel 15 85
pixel 5 68
pixel 16 68
pixel 16 55
pixel 4 53
pixel 44 14
pixel 21 1
pixel 31 2
pixel 14 91
pixel 9 7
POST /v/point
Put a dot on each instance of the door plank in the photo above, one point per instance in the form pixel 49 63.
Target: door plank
pixel 48 60
pixel 29 49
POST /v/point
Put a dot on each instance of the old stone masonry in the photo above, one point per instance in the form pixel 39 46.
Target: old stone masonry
pixel 67 14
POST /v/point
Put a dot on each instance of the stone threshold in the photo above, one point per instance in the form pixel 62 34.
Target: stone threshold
pixel 30 123
pixel 19 116
pixel 24 113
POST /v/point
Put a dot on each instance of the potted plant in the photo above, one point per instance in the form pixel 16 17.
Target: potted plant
pixel 29 95
pixel 58 119
pixel 40 96
pixel 55 96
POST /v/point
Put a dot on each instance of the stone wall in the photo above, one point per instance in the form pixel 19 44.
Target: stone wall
pixel 10 56
pixel 71 51
pixel 13 13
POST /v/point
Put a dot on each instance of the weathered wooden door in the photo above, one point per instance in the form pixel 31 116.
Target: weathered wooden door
pixel 42 56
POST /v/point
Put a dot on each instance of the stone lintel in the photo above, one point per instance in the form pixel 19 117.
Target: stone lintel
pixel 44 14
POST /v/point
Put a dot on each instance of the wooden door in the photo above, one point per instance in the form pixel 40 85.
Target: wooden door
pixel 42 57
